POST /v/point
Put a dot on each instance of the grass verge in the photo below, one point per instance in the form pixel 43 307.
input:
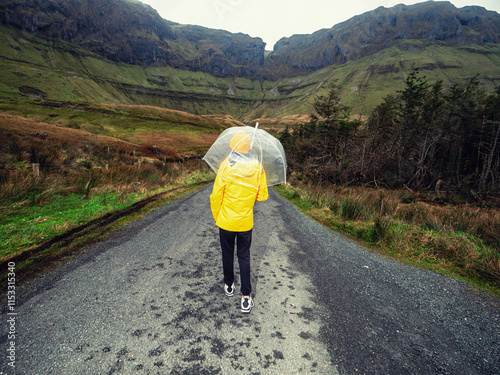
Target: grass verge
pixel 39 233
pixel 460 242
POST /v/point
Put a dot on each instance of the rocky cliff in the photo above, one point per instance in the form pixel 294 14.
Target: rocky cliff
pixel 364 35
pixel 131 32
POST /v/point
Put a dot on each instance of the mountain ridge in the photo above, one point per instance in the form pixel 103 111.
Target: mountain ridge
pixel 373 31
pixel 134 33
pixel 209 73
pixel 131 32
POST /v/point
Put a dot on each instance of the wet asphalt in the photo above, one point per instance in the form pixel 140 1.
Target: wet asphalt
pixel 149 300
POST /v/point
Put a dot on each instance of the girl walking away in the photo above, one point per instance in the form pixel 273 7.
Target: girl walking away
pixel 240 182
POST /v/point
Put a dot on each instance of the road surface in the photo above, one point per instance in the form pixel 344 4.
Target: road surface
pixel 149 300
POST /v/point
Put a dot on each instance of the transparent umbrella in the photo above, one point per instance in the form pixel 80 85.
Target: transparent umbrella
pixel 243 152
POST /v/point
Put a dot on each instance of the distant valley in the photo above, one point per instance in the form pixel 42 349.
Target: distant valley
pixel 123 52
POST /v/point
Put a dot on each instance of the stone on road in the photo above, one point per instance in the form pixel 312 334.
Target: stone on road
pixel 149 299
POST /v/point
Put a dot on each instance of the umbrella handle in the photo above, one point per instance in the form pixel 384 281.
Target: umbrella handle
pixel 254 134
pixel 251 144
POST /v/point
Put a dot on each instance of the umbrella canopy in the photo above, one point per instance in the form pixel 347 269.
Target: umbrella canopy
pixel 254 148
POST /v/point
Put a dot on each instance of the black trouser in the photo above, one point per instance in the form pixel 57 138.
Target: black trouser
pixel 243 242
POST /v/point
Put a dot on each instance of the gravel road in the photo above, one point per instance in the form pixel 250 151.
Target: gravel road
pixel 149 300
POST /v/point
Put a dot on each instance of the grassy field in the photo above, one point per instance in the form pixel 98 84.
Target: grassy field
pixel 178 133
pixel 56 217
pixel 34 210
pixel 461 241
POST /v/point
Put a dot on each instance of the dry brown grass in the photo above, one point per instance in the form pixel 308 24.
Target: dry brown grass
pixel 462 239
pixel 24 127
pixel 74 160
pixel 221 120
pixel 280 123
pixel 173 144
pixel 467 218
pixel 178 145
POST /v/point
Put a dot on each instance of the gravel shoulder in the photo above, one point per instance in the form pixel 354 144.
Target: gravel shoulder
pixel 149 300
pixel 383 317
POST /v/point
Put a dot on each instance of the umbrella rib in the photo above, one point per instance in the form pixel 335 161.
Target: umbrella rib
pixel 269 154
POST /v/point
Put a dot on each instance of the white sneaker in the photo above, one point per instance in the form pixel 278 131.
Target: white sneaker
pixel 229 290
pixel 246 304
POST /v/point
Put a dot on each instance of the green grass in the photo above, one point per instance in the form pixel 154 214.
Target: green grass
pixel 38 236
pixel 24 226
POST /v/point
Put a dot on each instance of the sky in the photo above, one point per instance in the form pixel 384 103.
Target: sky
pixel 273 19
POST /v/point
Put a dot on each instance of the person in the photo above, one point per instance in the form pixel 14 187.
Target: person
pixel 240 182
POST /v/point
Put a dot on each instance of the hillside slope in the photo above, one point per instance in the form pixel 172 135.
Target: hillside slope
pixel 36 68
pixel 41 60
pixel 420 25
pixel 131 32
pixel 174 133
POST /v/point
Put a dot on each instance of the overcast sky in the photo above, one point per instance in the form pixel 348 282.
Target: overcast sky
pixel 273 19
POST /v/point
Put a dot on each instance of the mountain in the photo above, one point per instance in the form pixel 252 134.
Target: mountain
pixel 123 52
pixel 421 25
pixel 134 33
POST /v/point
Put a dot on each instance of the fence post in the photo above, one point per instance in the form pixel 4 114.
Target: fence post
pixel 36 169
pixel 139 163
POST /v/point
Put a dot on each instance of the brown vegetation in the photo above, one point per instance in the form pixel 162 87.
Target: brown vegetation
pixel 18 125
pixel 281 122
pixel 76 161
pixel 462 240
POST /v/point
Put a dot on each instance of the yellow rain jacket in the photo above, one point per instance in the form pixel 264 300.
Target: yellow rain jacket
pixel 240 182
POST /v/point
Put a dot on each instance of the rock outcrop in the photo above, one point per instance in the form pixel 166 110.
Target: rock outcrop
pixel 131 32
pixel 371 32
